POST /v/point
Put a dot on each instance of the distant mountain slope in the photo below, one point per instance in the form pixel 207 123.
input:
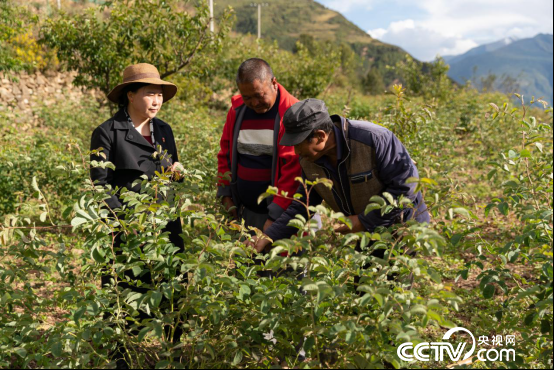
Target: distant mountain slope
pixel 482 49
pixel 286 20
pixel 528 61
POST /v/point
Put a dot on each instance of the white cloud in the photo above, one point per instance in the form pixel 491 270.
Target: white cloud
pixel 422 42
pixel 487 19
pixel 455 26
pixel 400 26
pixel 377 33
pixel 344 6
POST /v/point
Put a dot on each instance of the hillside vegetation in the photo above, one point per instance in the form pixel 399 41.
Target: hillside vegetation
pixel 285 21
pixel 288 21
pixel 484 262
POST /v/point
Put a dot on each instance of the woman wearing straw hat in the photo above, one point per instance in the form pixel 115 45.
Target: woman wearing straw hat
pixel 128 140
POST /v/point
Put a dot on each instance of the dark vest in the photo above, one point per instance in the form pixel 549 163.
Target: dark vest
pixel 362 177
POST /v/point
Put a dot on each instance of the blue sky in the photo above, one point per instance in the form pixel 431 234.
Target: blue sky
pixel 427 28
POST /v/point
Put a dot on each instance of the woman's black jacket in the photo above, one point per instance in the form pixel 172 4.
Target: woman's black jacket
pixel 132 157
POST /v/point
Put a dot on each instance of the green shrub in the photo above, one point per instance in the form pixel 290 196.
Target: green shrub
pixel 99 47
pixel 14 40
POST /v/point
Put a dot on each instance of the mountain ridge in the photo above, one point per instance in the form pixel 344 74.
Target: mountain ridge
pixel 526 63
pixel 478 50
pixel 286 21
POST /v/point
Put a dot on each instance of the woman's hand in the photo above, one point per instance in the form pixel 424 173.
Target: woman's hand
pixel 178 170
pixel 177 167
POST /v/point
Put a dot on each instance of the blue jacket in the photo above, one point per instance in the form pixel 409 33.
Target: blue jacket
pixel 393 164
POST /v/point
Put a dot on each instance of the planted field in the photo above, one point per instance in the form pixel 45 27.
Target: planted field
pixel 482 269
pixel 485 262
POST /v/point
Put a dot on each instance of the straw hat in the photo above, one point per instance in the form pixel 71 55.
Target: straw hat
pixel 142 73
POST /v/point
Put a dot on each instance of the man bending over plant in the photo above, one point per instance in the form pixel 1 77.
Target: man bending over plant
pixel 361 159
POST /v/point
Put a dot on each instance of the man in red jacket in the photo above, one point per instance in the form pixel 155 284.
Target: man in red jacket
pixel 250 150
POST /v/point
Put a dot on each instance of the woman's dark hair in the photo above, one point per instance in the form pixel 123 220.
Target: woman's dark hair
pixel 325 126
pixel 123 99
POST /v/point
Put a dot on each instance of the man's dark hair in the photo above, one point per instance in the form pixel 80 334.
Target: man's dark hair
pixel 254 69
pixel 325 126
pixel 123 99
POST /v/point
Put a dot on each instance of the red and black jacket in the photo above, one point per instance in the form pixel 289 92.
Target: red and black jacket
pixel 285 165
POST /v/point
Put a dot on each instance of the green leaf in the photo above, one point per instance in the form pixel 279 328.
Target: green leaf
pixel 97 338
pixel 387 209
pixel 503 208
pixel 371 207
pixel 379 298
pixel 531 291
pixel 156 298
pixel 84 215
pixel 460 211
pixel 309 343
pixel 377 199
pixel 78 314
pixel 435 275
pixel 21 352
pixel 419 309
pixel 56 349
pixel 389 197
pixel 97 255
pixel 143 333
pixel 244 292
pixel 162 364
pixel 215 316
pixel 456 239
pixel 136 270
pixel 530 318
pixel 67 211
pixel 365 300
pixel 428 181
pixel 238 358
pixel 546 326
pixel 432 315
pixel 34 184
pixel 78 221
pixel 350 336
pixel 488 291
pixel 525 153
pixel 264 196
pixel 158 330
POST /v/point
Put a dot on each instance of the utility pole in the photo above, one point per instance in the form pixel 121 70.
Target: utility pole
pixel 211 15
pixel 259 5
